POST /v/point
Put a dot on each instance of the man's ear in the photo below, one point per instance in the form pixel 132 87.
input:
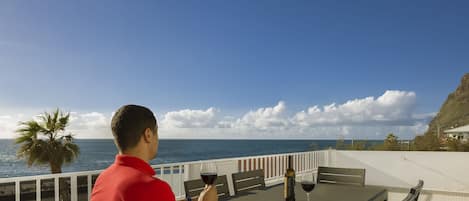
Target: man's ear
pixel 147 135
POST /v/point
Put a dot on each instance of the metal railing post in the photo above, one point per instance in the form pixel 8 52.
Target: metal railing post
pixel 56 188
pixel 73 188
pixel 90 187
pixel 17 190
pixel 38 189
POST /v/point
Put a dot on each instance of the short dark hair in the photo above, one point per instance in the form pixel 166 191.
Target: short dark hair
pixel 129 123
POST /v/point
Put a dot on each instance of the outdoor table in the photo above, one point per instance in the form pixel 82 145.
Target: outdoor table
pixel 322 192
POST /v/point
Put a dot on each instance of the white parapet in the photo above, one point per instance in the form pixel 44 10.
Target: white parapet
pixel 445 174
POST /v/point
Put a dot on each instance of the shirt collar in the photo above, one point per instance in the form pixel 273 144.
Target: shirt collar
pixel 134 162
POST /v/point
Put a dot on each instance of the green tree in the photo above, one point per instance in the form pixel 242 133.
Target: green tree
pixel 456 145
pixel 340 144
pixel 391 143
pixel 453 144
pixel 358 145
pixel 465 146
pixel 44 142
pixel 427 142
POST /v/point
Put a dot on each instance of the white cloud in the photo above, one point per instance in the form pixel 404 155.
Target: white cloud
pixel 364 118
pixel 264 118
pixel 391 108
pixel 90 125
pixel 7 125
pixel 190 118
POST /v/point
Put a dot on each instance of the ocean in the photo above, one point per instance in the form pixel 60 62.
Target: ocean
pixel 98 154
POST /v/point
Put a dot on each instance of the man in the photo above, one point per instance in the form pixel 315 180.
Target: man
pixel 131 178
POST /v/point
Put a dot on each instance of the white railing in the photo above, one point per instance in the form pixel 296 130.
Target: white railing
pixel 445 174
pixel 80 183
pixel 275 166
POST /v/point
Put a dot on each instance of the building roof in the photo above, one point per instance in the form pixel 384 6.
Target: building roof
pixel 461 129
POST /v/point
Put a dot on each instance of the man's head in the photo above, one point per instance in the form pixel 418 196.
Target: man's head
pixel 135 131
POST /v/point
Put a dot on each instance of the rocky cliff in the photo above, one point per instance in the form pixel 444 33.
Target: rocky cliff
pixel 455 111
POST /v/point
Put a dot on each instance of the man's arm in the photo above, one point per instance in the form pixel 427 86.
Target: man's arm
pixel 209 194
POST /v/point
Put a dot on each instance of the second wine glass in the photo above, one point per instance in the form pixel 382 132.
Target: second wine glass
pixel 308 183
pixel 208 173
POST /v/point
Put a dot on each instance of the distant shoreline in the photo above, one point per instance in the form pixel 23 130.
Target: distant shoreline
pixel 294 139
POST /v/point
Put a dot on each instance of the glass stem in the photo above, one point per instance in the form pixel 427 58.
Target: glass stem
pixel 307 196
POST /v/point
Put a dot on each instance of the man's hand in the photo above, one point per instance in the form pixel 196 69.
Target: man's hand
pixel 209 193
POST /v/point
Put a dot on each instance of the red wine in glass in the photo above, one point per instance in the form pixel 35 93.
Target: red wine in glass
pixel 209 178
pixel 308 183
pixel 208 173
pixel 308 186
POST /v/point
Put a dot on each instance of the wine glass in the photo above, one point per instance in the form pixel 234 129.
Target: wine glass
pixel 208 173
pixel 308 183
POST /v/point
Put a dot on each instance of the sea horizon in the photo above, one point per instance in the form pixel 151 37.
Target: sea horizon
pixel 97 154
pixel 373 139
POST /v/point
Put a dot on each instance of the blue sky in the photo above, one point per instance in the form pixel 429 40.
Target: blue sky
pixel 234 57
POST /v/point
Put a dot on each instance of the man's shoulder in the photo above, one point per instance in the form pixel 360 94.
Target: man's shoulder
pixel 142 181
pixel 153 187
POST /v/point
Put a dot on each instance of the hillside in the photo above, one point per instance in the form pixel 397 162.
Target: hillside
pixel 455 110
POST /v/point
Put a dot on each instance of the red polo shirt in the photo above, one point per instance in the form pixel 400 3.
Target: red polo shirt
pixel 129 179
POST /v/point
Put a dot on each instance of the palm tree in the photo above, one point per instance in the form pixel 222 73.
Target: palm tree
pixel 390 143
pixel 45 142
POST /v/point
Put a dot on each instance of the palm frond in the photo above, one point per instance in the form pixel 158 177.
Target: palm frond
pixel 54 120
pixel 25 149
pixel 71 152
pixel 25 138
pixel 50 124
pixel 44 118
pixel 27 131
pixel 35 153
pixel 62 122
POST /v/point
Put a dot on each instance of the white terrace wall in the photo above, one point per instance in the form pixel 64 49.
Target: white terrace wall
pixel 442 172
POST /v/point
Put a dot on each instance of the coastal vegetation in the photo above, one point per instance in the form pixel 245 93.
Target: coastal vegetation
pixel 392 143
